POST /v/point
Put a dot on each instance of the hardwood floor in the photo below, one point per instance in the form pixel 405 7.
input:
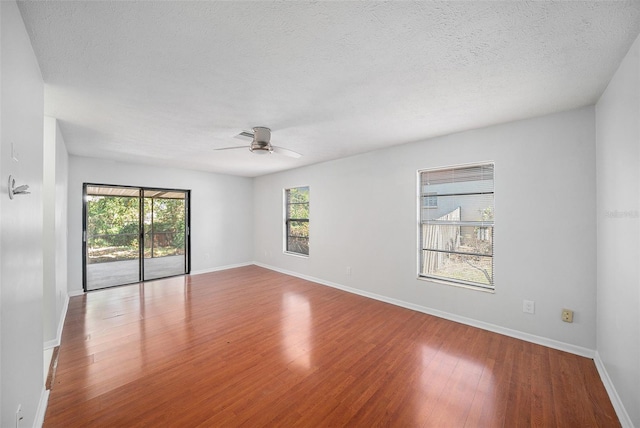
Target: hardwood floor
pixel 252 347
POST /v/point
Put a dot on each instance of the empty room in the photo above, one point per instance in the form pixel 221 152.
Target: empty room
pixel 320 214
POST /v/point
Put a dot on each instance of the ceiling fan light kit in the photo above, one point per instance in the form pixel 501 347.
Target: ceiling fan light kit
pixel 260 148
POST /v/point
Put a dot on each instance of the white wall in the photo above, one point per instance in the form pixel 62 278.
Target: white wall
pixel 221 210
pixel 363 215
pixel 1 173
pixel 48 232
pixel 54 195
pixel 618 219
pixel 21 322
pixel 61 230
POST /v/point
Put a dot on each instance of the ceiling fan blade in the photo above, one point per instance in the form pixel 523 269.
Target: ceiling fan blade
pixel 244 135
pixel 285 152
pixel 233 148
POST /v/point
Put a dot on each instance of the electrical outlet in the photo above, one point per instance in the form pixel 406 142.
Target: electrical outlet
pixel 567 315
pixel 348 270
pixel 529 306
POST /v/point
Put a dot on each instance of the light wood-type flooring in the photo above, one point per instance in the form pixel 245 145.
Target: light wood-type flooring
pixel 252 347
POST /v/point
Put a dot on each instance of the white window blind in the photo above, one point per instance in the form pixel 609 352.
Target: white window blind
pixel 456 231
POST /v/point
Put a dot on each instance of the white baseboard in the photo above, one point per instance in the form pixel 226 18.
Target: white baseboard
pixel 42 408
pixel 623 416
pixel 46 364
pixel 218 268
pixel 48 355
pixel 550 343
pixel 63 315
pixel 50 344
pixel 74 293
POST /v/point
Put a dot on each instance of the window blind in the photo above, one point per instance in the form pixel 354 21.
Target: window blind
pixel 457 224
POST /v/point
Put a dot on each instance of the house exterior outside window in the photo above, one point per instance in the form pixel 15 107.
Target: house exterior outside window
pixel 296 237
pixel 456 232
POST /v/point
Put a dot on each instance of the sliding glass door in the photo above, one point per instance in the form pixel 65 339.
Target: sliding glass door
pixel 164 233
pixel 112 237
pixel 133 234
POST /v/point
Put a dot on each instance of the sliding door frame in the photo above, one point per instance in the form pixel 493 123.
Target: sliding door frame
pixel 141 237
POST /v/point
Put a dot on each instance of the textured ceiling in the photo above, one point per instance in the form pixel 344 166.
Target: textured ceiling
pixel 166 83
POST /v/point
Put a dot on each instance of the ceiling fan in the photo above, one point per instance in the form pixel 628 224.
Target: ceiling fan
pixel 261 143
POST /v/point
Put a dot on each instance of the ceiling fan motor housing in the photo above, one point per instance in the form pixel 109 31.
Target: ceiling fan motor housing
pixel 262 134
pixel 261 140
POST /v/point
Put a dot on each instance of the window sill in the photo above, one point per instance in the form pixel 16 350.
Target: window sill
pixel 457 284
pixel 289 253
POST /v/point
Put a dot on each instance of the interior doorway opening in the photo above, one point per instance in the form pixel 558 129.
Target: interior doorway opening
pixel 133 234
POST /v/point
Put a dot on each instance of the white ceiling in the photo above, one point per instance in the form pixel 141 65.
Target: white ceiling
pixel 166 83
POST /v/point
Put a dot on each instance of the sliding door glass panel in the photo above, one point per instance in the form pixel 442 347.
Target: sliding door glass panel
pixel 165 214
pixel 133 234
pixel 112 236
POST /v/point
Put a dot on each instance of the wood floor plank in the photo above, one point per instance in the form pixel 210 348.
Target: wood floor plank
pixel 252 347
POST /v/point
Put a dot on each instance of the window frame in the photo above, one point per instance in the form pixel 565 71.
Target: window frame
pixel 421 205
pixel 137 192
pixel 287 220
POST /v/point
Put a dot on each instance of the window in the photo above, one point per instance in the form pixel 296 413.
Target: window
pixel 456 233
pixel 297 220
